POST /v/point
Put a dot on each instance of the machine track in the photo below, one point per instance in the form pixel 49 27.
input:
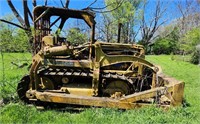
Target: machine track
pixel 82 73
pixel 112 82
pixel 22 87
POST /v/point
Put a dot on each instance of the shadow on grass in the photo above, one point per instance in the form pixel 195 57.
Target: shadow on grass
pixel 73 109
pixel 186 103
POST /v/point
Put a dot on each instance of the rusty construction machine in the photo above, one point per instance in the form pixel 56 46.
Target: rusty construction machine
pixel 95 73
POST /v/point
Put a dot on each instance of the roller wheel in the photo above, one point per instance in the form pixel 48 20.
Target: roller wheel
pixel 22 87
pixel 117 86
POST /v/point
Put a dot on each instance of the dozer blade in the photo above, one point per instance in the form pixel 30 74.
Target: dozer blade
pixel 85 100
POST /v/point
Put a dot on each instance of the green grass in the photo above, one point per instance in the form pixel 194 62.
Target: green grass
pixel 10 74
pixel 190 74
pixel 185 58
pixel 184 71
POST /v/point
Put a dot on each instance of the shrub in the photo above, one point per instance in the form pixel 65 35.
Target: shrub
pixel 195 57
pixel 164 46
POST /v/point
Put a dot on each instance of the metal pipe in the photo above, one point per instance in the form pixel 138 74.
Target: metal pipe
pixel 42 15
pixel 119 32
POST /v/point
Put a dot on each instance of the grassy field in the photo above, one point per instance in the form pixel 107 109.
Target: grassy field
pixel 16 112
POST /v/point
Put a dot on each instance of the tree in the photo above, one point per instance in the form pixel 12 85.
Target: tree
pixel 107 28
pixel 167 44
pixel 12 39
pixel 27 17
pixel 189 10
pixel 124 13
pixel 150 26
pixel 164 46
pixel 195 59
pixel 6 34
pixel 75 36
pixel 190 40
pixel 20 41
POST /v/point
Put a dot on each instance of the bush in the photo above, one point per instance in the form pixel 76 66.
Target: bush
pixel 190 40
pixel 164 46
pixel 195 57
pixel 13 40
pixel 76 36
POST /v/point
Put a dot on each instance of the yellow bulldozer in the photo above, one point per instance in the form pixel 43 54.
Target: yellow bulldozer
pixel 95 73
